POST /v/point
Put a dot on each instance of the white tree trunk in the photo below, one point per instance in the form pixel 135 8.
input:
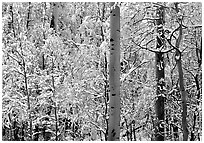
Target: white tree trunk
pixel 114 74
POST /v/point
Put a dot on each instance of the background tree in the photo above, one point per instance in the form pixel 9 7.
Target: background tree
pixel 159 64
pixel 181 80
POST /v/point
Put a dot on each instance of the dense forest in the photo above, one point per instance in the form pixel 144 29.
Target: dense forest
pixel 83 71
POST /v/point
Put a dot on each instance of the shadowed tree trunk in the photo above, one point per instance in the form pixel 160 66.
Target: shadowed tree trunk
pixel 114 74
pixel 159 61
pixel 11 23
pixel 181 81
pixel 55 15
pixel 28 16
pixel 183 95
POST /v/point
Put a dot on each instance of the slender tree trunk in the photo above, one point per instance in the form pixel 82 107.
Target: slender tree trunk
pixel 105 73
pixel 55 15
pixel 25 75
pixel 183 98
pixel 114 74
pixel 127 129
pixel 101 15
pixel 42 56
pixel 102 20
pixel 196 113
pixel 130 125
pixel 28 16
pixel 196 78
pixel 55 18
pixel 192 134
pixel 11 24
pixel 159 105
pixel 181 81
pixel 106 94
pixel 10 127
pixel 28 98
pixel 55 104
pixel 175 130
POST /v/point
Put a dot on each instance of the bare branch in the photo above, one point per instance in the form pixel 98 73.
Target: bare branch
pixel 189 72
pixel 157 4
pixel 144 47
pixel 101 129
pixel 192 26
pixel 14 59
pixel 151 19
pixel 131 70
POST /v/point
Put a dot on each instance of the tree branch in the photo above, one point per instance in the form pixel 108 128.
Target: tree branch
pixel 131 70
pixel 101 129
pixel 146 19
pixel 151 50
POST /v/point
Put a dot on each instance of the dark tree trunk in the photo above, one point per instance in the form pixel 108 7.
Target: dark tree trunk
pixel 28 16
pixel 15 131
pixel 54 19
pixel 175 129
pixel 11 23
pixel 159 61
pixel 181 80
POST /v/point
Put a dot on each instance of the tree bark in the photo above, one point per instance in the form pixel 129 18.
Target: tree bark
pixel 181 81
pixel 11 24
pixel 159 60
pixel 28 16
pixel 102 14
pixel 106 94
pixel 183 98
pixel 182 89
pixel 28 98
pixel 55 104
pixel 55 15
pixel 114 74
pixel 55 22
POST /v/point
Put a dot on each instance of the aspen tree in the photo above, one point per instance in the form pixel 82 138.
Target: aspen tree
pixel 55 22
pixel 26 79
pixel 114 74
